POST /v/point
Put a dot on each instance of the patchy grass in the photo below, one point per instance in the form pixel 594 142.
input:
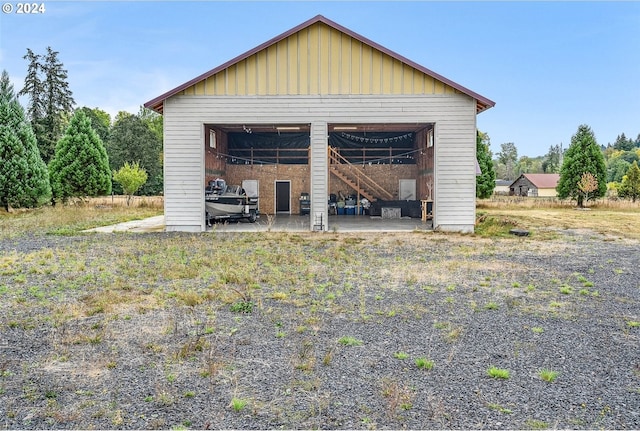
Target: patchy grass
pixel 192 315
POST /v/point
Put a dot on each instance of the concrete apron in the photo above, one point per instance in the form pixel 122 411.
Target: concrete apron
pixel 284 223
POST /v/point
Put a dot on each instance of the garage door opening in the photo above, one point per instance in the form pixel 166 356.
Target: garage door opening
pixel 381 170
pixel 370 166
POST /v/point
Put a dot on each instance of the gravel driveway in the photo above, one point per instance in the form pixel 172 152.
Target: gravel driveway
pixel 334 331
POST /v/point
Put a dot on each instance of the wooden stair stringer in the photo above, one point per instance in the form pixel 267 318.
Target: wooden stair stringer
pixel 359 181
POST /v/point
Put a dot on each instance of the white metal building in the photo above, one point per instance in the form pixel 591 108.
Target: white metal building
pixel 321 78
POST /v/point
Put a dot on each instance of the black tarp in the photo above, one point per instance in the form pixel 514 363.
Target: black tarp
pixel 375 147
pixel 268 148
pixel 292 148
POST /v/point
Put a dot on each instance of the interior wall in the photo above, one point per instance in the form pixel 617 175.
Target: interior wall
pixel 267 176
pixel 387 176
pixel 215 164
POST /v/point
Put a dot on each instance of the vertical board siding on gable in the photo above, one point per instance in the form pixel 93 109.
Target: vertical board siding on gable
pixel 319 60
pixel 454 116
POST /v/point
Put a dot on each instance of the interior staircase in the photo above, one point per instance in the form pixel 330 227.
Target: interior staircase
pixel 344 170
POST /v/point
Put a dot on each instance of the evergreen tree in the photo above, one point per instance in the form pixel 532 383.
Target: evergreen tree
pixel 623 144
pixel 50 100
pixel 486 181
pixel 80 166
pixel 630 187
pixel 551 163
pixel 584 155
pixel 24 179
pixel 508 158
pixel 33 87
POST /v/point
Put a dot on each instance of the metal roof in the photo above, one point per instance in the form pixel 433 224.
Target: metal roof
pixel 482 103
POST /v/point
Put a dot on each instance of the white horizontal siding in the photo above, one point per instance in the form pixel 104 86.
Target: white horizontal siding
pixel 183 171
pixel 454 115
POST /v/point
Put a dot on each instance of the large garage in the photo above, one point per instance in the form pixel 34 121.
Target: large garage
pixel 321 122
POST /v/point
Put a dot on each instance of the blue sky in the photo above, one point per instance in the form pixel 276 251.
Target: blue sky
pixel 549 66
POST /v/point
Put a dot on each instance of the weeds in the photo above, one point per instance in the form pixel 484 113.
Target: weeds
pixel 424 364
pixel 398 396
pixel 242 307
pixel 548 375
pixel 535 424
pixel 350 341
pixel 238 404
pixel 498 373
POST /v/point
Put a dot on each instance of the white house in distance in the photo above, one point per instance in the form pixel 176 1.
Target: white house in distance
pixel 321 110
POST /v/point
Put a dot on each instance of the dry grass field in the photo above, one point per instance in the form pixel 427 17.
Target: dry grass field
pixel 78 216
pixel 335 330
pixel 613 218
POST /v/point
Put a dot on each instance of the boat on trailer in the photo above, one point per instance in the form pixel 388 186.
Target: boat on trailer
pixel 224 201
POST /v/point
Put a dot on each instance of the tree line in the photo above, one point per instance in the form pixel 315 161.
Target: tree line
pixel 619 156
pixel 587 170
pixel 52 151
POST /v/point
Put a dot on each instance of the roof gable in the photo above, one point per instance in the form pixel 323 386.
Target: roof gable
pixel 319 56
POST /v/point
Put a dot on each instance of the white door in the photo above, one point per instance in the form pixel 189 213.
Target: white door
pixel 407 190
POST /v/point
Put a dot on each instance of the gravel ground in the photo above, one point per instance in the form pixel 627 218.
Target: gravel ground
pixel 569 304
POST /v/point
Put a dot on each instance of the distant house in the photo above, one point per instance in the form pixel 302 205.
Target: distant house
pixel 502 187
pixel 535 185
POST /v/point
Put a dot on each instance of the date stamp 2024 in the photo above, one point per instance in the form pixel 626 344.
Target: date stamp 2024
pixel 24 8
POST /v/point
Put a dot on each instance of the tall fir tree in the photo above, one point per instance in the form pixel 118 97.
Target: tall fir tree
pixel 486 181
pixel 24 179
pixel 551 163
pixel 582 156
pixel 33 86
pixel 80 166
pixel 50 99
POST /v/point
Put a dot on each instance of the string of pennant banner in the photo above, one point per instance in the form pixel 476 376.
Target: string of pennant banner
pixel 366 140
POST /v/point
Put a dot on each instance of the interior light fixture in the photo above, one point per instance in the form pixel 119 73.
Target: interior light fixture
pixel 345 128
pixel 282 128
